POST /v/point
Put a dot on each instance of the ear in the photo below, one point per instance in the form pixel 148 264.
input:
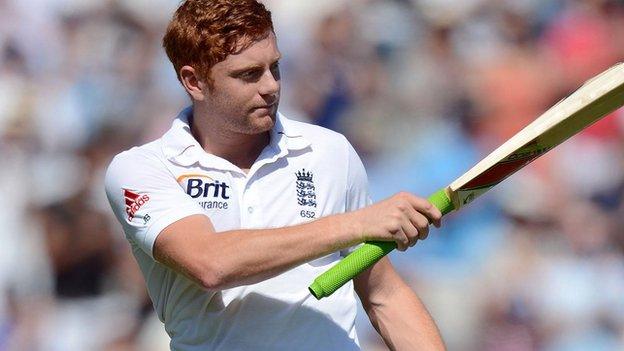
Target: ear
pixel 193 83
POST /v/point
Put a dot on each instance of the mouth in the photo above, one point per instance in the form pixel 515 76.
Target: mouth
pixel 265 107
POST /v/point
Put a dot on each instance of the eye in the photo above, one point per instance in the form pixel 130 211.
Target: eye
pixel 275 70
pixel 251 75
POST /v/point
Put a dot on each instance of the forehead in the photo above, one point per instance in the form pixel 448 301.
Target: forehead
pixel 260 52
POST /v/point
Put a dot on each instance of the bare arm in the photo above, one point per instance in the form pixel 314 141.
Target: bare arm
pixel 237 257
pixel 395 311
pixel 247 256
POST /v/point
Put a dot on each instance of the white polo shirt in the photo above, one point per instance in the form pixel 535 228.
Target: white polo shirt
pixel 305 172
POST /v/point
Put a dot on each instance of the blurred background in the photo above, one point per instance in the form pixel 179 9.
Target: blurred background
pixel 422 88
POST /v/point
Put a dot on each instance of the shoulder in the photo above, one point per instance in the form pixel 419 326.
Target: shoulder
pixel 315 131
pixel 329 145
pixel 320 138
pixel 137 156
pixel 135 163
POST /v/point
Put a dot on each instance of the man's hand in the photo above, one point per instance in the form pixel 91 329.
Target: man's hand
pixel 403 218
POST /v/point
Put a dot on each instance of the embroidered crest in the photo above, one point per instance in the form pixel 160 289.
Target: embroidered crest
pixel 306 195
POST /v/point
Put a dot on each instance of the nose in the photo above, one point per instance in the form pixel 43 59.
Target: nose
pixel 269 84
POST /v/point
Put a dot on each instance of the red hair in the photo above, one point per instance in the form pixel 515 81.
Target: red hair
pixel 203 33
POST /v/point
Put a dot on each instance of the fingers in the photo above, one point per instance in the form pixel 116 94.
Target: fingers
pixel 403 218
pixel 418 213
pixel 410 230
pixel 414 227
pixel 419 225
pixel 426 208
pixel 402 241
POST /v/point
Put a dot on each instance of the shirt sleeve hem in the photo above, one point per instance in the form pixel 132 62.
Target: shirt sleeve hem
pixel 164 221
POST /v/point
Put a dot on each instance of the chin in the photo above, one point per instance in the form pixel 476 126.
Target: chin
pixel 262 120
pixel 267 123
pixel 260 124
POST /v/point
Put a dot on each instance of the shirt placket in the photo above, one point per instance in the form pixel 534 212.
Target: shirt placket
pixel 251 210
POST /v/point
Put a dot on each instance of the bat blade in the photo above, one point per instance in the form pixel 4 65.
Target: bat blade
pixel 598 97
pixel 595 99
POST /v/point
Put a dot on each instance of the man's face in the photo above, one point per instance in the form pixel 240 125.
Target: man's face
pixel 246 88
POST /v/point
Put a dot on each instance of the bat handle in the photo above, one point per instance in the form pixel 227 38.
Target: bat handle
pixel 365 256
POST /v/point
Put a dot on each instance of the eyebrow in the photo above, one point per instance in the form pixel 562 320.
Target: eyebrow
pixel 246 69
pixel 252 67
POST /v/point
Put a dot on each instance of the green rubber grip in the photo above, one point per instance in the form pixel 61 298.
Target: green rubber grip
pixel 365 256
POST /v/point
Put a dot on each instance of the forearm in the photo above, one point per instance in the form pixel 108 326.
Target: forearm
pixel 249 256
pixel 220 260
pixel 403 321
pixel 237 257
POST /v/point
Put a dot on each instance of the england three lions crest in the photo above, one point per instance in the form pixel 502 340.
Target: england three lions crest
pixel 306 192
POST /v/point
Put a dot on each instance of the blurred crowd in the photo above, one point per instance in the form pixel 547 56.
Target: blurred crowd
pixel 422 88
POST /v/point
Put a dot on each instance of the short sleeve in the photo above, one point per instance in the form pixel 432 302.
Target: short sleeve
pixel 357 182
pixel 357 194
pixel 145 197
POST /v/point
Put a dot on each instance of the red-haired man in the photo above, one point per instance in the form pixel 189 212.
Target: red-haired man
pixel 236 209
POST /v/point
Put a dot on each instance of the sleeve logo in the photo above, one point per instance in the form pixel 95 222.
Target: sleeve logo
pixel 134 202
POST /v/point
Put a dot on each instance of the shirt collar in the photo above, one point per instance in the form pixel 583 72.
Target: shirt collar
pixel 180 147
pixel 286 134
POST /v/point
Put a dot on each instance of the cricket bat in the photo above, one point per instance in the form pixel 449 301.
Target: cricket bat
pixel 595 99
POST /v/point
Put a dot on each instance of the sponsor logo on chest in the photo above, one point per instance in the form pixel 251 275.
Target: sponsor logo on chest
pixel 209 192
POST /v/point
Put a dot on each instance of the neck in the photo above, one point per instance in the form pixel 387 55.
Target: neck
pixel 240 149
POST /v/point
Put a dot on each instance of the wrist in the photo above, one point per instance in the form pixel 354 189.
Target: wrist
pixel 351 228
